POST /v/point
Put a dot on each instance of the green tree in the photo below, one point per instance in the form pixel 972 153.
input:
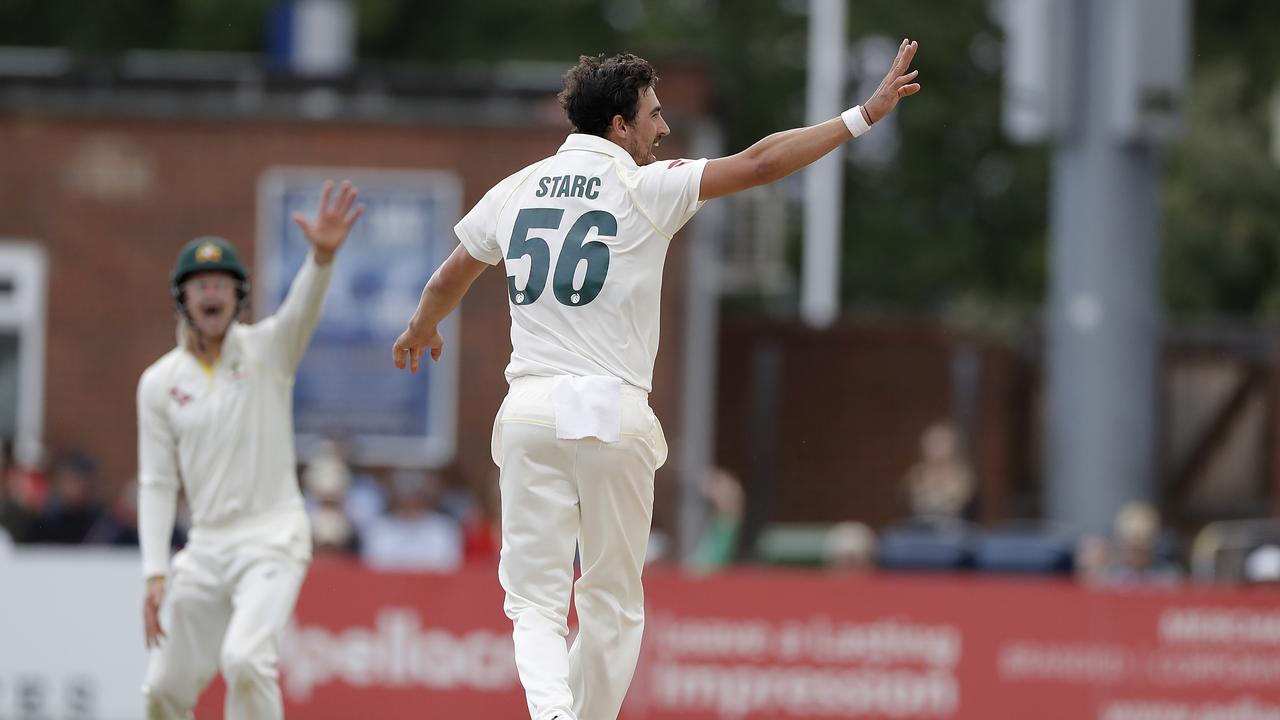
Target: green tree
pixel 1222 200
pixel 108 28
pixel 1222 190
pixel 957 218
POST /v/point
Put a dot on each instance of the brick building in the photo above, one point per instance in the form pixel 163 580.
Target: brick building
pixel 110 174
pixel 109 170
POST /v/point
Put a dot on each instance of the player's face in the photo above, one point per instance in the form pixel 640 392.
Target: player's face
pixel 648 129
pixel 211 302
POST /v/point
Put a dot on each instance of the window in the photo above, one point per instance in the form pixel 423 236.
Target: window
pixel 22 332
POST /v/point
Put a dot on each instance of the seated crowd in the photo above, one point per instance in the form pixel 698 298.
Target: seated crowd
pixel 407 519
pixel 387 518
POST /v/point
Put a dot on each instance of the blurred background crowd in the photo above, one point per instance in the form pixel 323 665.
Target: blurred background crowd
pixel 415 520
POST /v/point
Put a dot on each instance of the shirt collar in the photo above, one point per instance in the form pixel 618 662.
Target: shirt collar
pixel 230 342
pixel 597 144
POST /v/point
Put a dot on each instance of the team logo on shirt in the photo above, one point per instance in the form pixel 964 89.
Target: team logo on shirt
pixel 178 396
pixel 676 163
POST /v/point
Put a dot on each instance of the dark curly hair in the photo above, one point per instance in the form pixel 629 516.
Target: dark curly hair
pixel 597 88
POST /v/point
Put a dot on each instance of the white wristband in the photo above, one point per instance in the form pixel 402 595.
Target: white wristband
pixel 854 120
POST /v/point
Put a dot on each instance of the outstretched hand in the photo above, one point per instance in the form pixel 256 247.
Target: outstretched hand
pixel 896 85
pixel 329 228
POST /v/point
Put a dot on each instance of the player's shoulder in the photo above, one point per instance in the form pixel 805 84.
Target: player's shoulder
pixel 666 168
pixel 662 174
pixel 515 179
pixel 496 199
pixel 158 372
pixel 238 333
pixel 253 341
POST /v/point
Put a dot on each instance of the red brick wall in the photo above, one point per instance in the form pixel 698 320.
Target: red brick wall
pixel 112 200
pixel 852 403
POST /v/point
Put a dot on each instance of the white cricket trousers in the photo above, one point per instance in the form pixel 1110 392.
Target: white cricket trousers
pixel 558 494
pixel 228 601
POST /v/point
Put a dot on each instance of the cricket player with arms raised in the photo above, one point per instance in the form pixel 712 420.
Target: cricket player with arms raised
pixel 215 418
pixel 584 234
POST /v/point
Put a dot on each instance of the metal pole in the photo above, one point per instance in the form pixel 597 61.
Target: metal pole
pixel 701 343
pixel 1104 312
pixel 824 180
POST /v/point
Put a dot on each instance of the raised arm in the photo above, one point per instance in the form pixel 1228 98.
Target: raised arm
pixel 441 295
pixel 783 153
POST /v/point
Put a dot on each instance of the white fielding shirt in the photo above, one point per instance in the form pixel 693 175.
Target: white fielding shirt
pixel 584 234
pixel 226 437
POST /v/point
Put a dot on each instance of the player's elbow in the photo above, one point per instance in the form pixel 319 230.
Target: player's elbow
pixel 763 165
pixel 766 169
pixel 437 281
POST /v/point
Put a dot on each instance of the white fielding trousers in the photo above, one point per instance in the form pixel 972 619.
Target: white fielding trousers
pixel 226 606
pixel 562 494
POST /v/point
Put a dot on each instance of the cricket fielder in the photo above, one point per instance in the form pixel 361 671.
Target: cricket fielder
pixel 215 418
pixel 584 234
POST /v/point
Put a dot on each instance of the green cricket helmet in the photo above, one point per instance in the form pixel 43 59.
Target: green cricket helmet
pixel 208 254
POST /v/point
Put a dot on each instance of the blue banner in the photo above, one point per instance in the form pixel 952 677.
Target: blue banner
pixel 347 386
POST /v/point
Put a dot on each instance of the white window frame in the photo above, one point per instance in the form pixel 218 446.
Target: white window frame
pixel 24 266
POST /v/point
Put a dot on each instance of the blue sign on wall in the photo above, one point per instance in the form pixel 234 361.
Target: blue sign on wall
pixel 347 386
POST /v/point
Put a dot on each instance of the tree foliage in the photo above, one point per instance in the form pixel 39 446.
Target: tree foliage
pixel 1222 188
pixel 956 217
pixel 1222 200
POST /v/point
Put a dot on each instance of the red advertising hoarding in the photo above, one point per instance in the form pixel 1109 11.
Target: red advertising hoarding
pixel 775 644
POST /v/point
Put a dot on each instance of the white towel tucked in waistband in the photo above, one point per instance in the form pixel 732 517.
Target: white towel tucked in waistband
pixel 588 406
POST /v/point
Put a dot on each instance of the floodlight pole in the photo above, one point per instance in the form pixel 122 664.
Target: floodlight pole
pixel 1104 312
pixel 824 179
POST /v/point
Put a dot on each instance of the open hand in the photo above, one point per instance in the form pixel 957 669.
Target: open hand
pixel 896 85
pixel 329 228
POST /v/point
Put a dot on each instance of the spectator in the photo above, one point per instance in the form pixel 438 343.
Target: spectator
pixel 1133 555
pixel 118 525
pixel 74 506
pixel 22 496
pixel 326 480
pixel 718 545
pixel 940 483
pixel 365 497
pixel 413 535
pixel 456 498
pixel 1092 557
pixel 482 525
pixel 850 546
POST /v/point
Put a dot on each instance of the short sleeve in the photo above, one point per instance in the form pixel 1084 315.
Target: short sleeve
pixel 668 192
pixel 477 231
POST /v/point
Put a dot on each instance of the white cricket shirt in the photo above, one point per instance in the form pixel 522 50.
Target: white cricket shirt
pixel 226 437
pixel 584 234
